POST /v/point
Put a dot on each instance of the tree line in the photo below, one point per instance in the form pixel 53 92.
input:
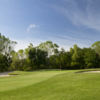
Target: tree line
pixel 47 56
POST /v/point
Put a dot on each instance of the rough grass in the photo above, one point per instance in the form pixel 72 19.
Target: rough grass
pixel 51 85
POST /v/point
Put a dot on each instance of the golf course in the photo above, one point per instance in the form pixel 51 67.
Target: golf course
pixel 51 85
pixel 50 50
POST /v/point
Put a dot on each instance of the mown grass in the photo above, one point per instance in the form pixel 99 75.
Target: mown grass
pixel 51 85
pixel 23 79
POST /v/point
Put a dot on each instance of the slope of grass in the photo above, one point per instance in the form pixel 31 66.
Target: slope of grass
pixel 51 85
pixel 24 79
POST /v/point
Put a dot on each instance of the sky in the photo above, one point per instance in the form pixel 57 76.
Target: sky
pixel 64 22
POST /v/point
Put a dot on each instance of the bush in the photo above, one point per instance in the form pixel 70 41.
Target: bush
pixel 27 69
pixel 75 65
pixel 89 65
pixel 68 66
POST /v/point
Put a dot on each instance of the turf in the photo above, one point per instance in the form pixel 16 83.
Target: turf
pixel 50 85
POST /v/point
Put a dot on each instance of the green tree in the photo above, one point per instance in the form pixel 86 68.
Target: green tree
pixel 76 64
pixel 91 58
pixel 49 47
pixel 41 57
pixel 65 60
pixel 3 63
pixel 15 65
pixel 53 62
pixel 21 56
pixel 6 46
pixel 96 47
pixel 37 57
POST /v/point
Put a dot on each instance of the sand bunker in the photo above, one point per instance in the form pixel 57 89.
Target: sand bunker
pixel 7 75
pixel 91 72
pixel 4 75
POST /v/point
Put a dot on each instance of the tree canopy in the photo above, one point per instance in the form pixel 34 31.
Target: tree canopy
pixel 47 55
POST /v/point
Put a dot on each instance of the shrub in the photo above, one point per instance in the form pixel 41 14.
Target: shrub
pixel 75 65
pixel 27 69
pixel 89 65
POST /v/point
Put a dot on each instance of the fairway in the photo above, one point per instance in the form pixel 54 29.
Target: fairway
pixel 50 85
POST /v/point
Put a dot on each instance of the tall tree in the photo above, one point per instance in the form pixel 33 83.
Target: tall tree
pixel 75 57
pixel 37 57
pixel 96 47
pixel 91 58
pixel 49 47
pixel 6 46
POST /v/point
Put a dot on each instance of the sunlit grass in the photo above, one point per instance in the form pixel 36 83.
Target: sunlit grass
pixel 51 85
pixel 23 79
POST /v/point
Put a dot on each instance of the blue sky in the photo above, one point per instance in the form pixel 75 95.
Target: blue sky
pixel 65 22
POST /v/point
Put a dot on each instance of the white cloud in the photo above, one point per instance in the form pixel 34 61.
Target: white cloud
pixel 31 26
pixel 89 18
pixel 68 42
pixel 81 34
